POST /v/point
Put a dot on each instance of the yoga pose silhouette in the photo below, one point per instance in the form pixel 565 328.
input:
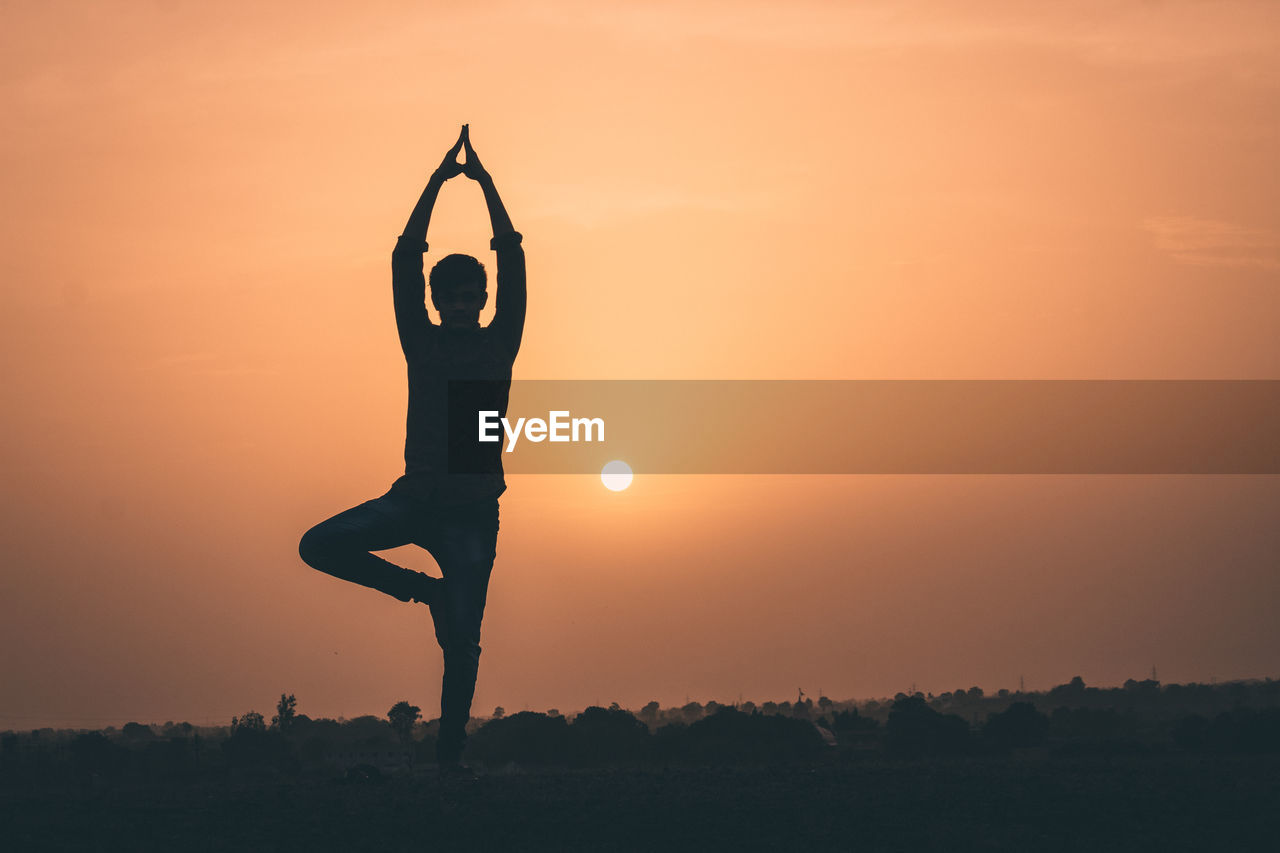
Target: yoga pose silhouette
pixel 454 516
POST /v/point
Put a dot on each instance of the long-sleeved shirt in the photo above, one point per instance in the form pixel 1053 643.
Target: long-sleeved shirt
pixel 435 355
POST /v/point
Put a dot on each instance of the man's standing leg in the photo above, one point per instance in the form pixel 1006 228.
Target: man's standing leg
pixel 464 543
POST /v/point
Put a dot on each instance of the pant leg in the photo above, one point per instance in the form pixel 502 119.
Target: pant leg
pixel 463 541
pixel 340 545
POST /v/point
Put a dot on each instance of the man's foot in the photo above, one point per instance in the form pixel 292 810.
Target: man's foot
pixel 425 589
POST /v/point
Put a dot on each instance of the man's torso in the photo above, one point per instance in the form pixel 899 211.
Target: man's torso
pixel 432 423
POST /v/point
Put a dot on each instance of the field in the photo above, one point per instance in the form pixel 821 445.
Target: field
pixel 1015 803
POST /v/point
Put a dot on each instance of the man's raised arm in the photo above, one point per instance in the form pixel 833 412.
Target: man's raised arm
pixel 408 286
pixel 508 315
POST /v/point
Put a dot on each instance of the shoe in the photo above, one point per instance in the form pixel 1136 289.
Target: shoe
pixel 425 589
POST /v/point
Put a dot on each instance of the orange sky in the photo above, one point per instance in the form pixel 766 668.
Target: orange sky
pixel 200 360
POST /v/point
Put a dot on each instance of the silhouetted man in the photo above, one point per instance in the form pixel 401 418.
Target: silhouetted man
pixel 452 515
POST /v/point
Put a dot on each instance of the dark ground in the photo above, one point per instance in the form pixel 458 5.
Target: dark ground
pixel 1150 802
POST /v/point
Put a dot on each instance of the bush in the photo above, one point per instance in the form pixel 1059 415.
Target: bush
pixel 916 729
pixel 137 732
pixel 258 747
pixel 525 738
pixel 730 736
pixel 605 736
pixel 92 752
pixel 850 722
pixel 1019 726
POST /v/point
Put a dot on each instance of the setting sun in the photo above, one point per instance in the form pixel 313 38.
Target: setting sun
pixel 616 475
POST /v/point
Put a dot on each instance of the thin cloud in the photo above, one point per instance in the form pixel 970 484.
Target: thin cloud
pixel 1212 242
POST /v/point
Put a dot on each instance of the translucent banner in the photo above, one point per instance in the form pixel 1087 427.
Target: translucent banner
pixel 869 427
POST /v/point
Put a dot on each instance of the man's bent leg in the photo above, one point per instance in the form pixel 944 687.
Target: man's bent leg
pixel 464 544
pixel 340 546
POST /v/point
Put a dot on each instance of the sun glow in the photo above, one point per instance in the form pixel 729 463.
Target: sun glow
pixel 616 475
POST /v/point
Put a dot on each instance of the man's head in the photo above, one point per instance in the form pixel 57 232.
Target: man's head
pixel 458 290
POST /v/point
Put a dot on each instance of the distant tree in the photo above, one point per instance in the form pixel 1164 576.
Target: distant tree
pixel 692 712
pixel 402 716
pixel 1146 686
pixel 769 707
pixel 92 752
pixel 649 713
pixel 1070 693
pixel 553 712
pixel 525 737
pixel 252 744
pixel 602 736
pixel 711 707
pixel 251 721
pixel 824 704
pixel 1018 726
pixel 137 732
pixel 367 727
pixel 732 737
pixel 748 707
pixel 916 729
pixel 852 721
pixel 286 713
pixel 975 693
pixel 499 712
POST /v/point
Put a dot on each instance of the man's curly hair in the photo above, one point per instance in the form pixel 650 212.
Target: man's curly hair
pixel 451 271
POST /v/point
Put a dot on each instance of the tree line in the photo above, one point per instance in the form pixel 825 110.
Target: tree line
pixel 1070 719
